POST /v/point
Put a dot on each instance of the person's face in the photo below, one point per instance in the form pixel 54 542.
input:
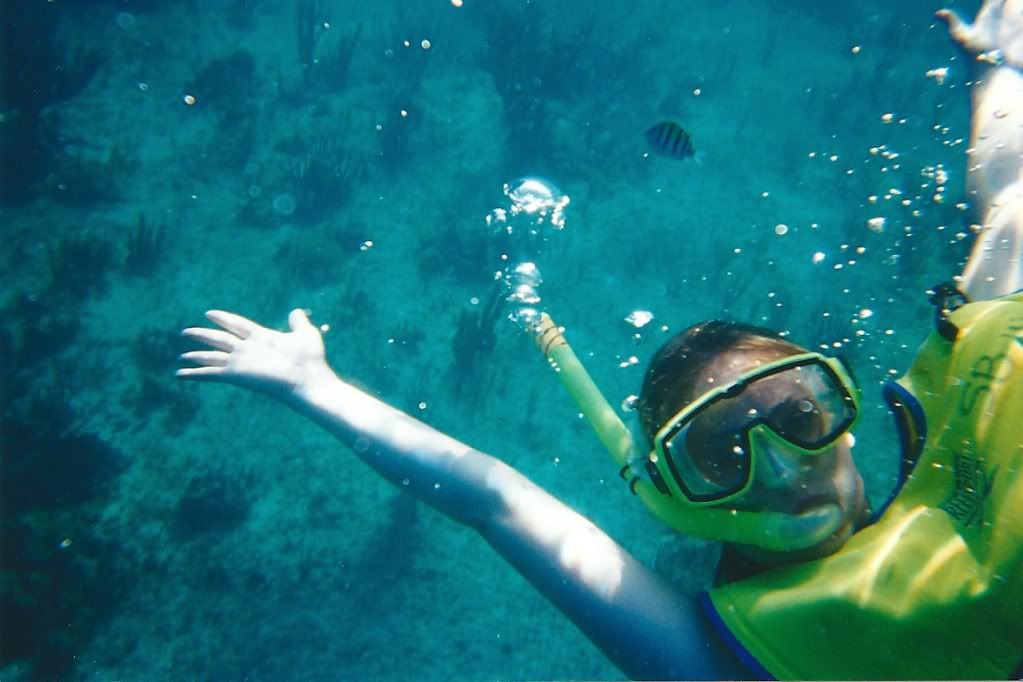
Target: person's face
pixel 785 480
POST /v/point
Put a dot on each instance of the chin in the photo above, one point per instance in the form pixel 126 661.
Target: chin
pixel 768 557
pixel 829 546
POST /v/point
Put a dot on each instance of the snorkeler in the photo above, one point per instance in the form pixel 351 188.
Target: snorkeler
pixel 761 460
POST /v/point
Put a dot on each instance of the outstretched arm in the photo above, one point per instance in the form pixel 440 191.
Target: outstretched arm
pixel 639 623
pixel 994 45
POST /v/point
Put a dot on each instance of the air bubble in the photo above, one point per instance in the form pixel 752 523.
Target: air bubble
pixel 126 20
pixel 285 204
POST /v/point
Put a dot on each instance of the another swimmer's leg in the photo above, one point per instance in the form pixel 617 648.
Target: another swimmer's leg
pixel 994 45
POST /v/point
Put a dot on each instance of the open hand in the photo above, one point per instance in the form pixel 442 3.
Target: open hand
pixel 995 36
pixel 250 355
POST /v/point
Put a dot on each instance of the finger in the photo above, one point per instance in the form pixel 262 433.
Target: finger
pixel 211 337
pixel 241 327
pixel 200 373
pixel 957 28
pixel 207 358
pixel 299 321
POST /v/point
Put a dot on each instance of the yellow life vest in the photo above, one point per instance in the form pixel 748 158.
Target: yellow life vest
pixel 933 589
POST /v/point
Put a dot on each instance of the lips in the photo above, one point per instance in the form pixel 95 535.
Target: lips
pixel 812 502
pixel 802 531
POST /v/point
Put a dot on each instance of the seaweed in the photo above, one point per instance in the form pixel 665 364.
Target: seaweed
pixel 475 337
pixel 145 247
pixel 519 57
pixel 536 61
pixel 307 32
pixel 79 265
pixel 331 71
pixel 464 254
pixel 156 352
pixel 323 179
pixel 330 68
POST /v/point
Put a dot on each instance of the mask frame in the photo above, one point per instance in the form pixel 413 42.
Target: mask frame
pixel 676 468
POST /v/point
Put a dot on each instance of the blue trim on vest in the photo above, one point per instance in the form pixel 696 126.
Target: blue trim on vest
pixel 911 446
pixel 757 671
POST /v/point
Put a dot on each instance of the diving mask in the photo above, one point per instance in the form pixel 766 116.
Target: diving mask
pixel 766 529
pixel 708 453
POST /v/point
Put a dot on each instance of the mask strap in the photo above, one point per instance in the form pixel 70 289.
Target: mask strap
pixel 947 298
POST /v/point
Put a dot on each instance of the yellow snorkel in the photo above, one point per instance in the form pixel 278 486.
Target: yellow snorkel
pixel 768 530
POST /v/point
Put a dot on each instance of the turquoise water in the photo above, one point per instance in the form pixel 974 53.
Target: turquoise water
pixel 161 158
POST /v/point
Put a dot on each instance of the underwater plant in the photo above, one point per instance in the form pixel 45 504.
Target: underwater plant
pixel 330 69
pixel 145 247
pixel 79 264
pixel 475 338
pixel 453 250
pixel 323 179
pixel 155 351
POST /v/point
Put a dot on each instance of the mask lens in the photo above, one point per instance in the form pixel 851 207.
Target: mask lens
pixel 710 464
pixel 816 409
pixel 709 454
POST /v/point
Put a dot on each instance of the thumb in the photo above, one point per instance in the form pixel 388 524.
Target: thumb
pixel 298 321
pixel 960 31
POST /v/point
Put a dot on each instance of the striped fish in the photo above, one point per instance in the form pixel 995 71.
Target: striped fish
pixel 669 139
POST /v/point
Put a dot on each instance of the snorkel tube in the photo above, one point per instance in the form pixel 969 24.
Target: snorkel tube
pixel 601 417
pixel 769 530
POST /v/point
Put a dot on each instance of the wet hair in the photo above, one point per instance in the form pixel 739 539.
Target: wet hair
pixel 671 378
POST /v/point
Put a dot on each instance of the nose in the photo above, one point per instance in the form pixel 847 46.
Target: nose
pixel 777 469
